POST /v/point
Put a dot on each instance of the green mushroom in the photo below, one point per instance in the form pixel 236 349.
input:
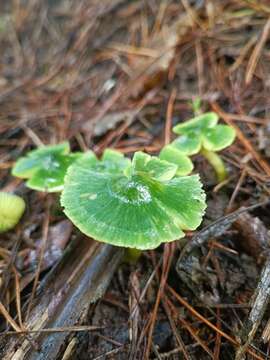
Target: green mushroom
pixel 202 135
pixel 46 167
pixel 171 154
pixel 11 210
pixel 138 204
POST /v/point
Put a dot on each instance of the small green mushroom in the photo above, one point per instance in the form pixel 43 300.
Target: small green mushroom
pixel 174 156
pixel 46 167
pixel 11 210
pixel 136 205
pixel 202 134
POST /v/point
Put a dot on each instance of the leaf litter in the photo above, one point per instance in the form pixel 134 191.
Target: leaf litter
pixel 102 74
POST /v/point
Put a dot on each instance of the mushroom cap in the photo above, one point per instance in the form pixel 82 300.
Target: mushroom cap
pixel 172 154
pixel 11 210
pixel 196 124
pixel 46 167
pixel 202 131
pixel 140 206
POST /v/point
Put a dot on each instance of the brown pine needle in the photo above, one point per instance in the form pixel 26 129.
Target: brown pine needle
pixel 255 56
pixel 53 330
pixel 8 318
pixel 169 114
pixel 18 296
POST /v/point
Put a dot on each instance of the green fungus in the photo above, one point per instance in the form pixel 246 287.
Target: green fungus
pixel 202 135
pixel 138 204
pixel 46 167
pixel 171 154
pixel 11 210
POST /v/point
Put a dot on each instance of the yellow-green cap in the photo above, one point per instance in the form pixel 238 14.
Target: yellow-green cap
pixel 11 210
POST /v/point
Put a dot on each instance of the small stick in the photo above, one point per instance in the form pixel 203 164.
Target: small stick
pixel 168 124
pixel 261 301
pixel 52 330
pixel 216 228
pixel 9 319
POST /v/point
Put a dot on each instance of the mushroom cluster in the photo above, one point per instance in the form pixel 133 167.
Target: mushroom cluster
pixel 138 203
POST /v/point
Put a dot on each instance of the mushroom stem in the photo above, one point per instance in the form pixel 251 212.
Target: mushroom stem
pixel 217 163
pixel 132 255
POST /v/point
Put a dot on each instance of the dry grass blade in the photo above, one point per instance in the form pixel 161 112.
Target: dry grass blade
pixel 253 61
pixel 8 318
pixel 18 297
pixel 69 329
pixel 168 124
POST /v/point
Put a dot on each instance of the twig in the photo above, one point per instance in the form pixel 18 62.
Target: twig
pixel 261 300
pixel 216 228
pixel 53 330
pixel 9 318
pixel 168 123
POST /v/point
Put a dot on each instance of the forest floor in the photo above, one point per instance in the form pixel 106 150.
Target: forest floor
pixel 120 74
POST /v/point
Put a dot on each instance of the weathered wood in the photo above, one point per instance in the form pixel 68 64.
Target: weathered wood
pixel 64 297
